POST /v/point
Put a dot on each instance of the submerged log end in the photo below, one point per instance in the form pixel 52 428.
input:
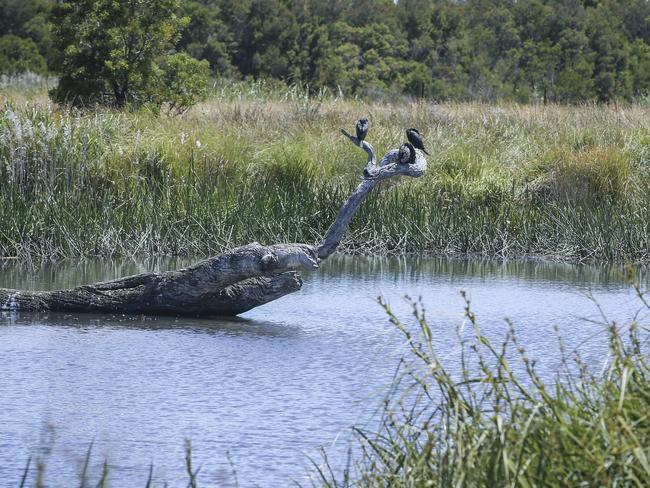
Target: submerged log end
pixel 15 300
pixel 251 293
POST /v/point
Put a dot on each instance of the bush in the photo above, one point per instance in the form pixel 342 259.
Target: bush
pixel 181 82
pixel 110 47
pixel 588 174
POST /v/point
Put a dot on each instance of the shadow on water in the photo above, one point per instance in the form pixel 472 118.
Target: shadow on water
pixel 232 326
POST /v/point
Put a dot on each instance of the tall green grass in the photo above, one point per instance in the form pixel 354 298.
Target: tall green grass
pixel 256 163
pixel 497 422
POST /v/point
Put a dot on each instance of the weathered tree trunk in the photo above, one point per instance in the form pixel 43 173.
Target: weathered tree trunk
pixel 228 284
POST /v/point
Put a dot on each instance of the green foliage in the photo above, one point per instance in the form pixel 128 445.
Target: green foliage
pixel 180 82
pixel 19 55
pixel 207 37
pixel 28 19
pixel 487 50
pixel 109 48
pixel 526 50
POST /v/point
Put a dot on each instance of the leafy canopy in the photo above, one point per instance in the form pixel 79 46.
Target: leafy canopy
pixel 111 50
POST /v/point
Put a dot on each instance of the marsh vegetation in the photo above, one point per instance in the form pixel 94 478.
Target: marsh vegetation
pixel 257 162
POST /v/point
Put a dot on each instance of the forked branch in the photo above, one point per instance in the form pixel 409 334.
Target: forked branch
pixel 388 167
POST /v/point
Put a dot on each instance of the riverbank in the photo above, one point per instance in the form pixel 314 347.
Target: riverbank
pixel 255 163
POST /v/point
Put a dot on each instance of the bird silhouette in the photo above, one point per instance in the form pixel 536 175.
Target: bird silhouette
pixel 362 128
pixel 406 154
pixel 414 138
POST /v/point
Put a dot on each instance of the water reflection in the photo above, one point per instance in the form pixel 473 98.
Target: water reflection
pixel 67 274
pixel 213 325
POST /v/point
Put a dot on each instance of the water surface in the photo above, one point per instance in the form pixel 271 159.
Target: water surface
pixel 265 390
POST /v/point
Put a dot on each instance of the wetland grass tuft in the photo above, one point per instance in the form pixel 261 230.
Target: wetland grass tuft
pixel 258 163
pixel 491 420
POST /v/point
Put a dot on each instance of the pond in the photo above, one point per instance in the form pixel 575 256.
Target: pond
pixel 258 395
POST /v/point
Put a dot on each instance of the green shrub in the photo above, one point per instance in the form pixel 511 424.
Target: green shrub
pixel 110 47
pixel 180 83
pixel 582 174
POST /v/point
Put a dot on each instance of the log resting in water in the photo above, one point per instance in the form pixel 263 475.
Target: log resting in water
pixel 228 284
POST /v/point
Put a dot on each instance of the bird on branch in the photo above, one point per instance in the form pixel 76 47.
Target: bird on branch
pixel 406 154
pixel 414 138
pixel 362 128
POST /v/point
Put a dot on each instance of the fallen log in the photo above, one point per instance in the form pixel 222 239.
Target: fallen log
pixel 227 284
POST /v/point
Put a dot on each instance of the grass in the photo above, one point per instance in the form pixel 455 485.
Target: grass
pixel 35 475
pixel 498 423
pixel 258 162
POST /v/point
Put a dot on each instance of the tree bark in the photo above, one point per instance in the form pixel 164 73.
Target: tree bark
pixel 228 284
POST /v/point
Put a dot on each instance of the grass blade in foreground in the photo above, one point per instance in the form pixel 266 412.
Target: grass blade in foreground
pixel 498 424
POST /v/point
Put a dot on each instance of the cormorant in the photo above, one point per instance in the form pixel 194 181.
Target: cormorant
pixel 414 138
pixel 362 128
pixel 406 154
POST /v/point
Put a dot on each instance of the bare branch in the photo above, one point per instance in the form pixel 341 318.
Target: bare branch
pixel 388 167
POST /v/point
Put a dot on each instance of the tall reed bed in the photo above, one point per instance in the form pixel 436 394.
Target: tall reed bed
pixel 497 422
pixel 258 164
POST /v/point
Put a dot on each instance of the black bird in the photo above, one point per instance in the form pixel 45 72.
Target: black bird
pixel 406 154
pixel 362 128
pixel 414 138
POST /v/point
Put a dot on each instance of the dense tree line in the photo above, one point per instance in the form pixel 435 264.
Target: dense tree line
pixel 523 50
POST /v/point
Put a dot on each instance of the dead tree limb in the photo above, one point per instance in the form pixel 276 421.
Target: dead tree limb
pixel 388 167
pixel 228 284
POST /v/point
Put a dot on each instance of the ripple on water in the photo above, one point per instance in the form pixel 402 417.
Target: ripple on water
pixel 271 387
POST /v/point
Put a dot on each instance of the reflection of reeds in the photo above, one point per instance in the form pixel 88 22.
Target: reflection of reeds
pixel 497 423
pixel 259 163
pixel 87 473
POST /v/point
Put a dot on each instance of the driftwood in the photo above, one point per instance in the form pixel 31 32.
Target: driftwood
pixel 228 284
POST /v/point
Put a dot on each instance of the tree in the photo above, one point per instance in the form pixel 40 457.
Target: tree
pixel 110 48
pixel 207 36
pixel 18 55
pixel 27 19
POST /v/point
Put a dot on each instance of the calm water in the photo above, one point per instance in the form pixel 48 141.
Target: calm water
pixel 266 390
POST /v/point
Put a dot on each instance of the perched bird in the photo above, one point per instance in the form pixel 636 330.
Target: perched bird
pixel 362 128
pixel 414 138
pixel 406 154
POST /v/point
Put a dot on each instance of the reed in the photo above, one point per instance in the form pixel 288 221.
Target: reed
pixel 258 162
pixel 487 418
